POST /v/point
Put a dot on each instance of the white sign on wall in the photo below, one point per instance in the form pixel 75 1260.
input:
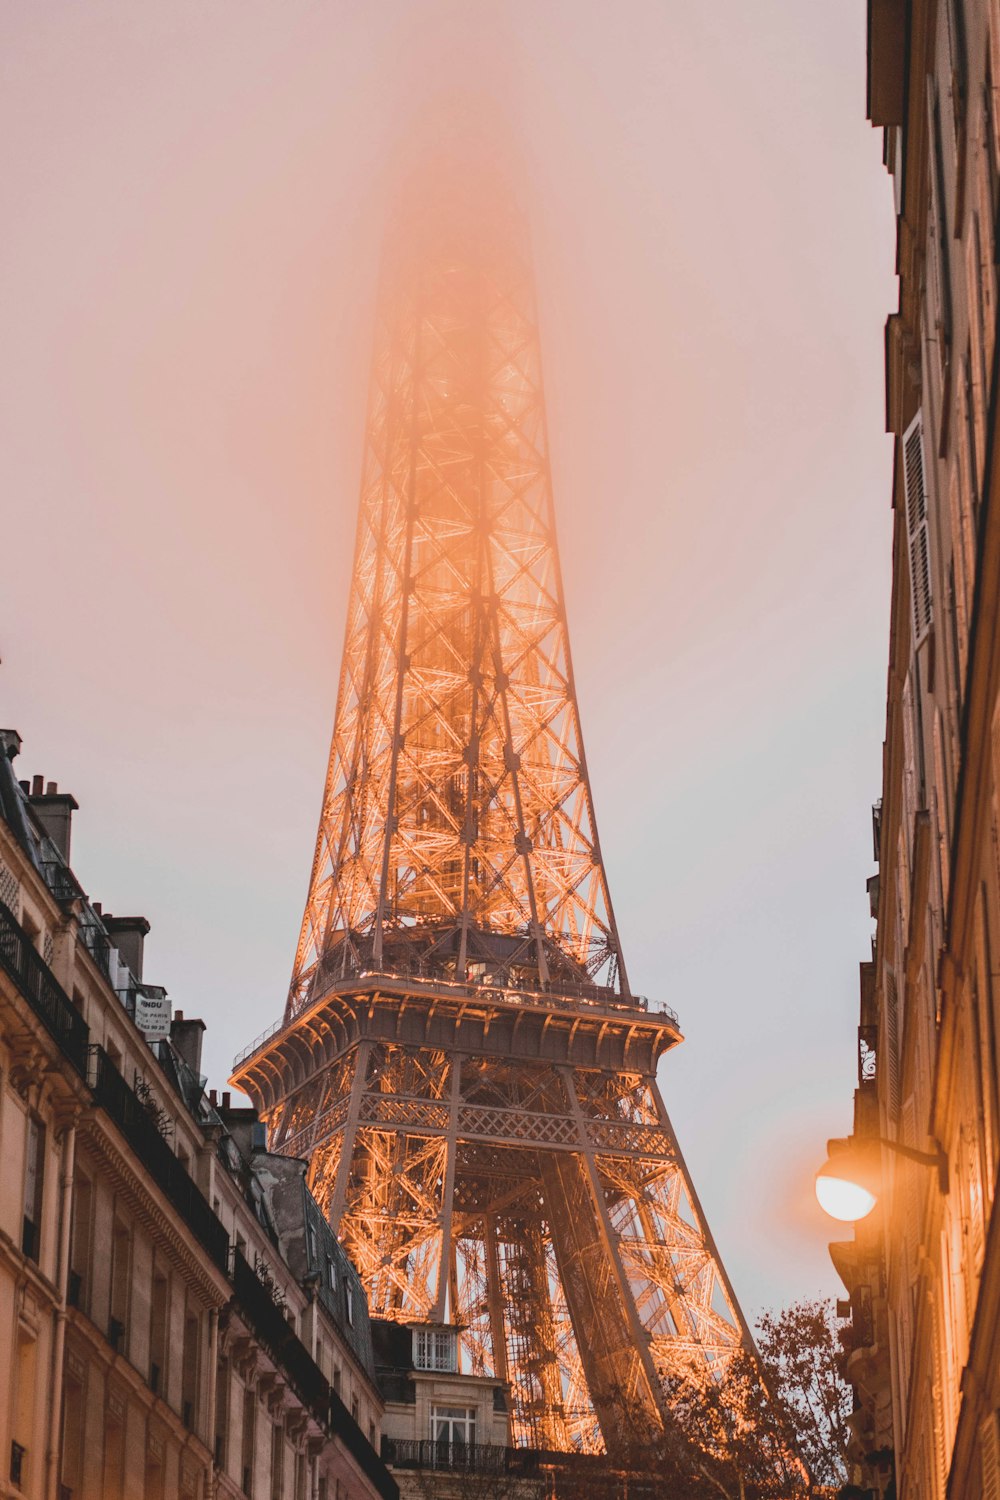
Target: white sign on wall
pixel 152 1013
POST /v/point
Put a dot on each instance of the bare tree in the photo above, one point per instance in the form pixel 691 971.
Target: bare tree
pixel 802 1353
pixel 772 1429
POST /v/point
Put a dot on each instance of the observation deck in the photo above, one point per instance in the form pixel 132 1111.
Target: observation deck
pixel 582 1025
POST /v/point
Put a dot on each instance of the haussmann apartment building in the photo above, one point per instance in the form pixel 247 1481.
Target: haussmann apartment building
pixel 923 1269
pixel 177 1319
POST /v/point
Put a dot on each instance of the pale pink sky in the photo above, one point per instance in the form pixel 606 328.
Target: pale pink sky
pixel 192 197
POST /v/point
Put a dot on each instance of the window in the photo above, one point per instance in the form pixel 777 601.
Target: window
pixel 435 1349
pixel 249 1438
pixel 331 1273
pixel 121 1281
pixel 989 1455
pixel 453 1432
pixel 73 1432
pixel 22 1469
pixel 113 1487
pixel 222 1414
pixel 277 1462
pixel 32 930
pixel 82 1243
pixel 34 1176
pixel 158 1333
pixel 189 1369
pixel 155 1479
pixel 349 1301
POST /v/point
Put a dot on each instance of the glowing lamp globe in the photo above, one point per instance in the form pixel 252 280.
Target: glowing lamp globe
pixel 841 1196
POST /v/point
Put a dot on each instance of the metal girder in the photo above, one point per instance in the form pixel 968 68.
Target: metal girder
pixel 489 1174
pixel 457 829
pixel 461 1059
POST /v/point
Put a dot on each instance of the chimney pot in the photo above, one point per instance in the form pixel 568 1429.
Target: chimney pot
pixel 54 810
pixel 128 935
pixel 213 1098
pixel 187 1039
pixel 97 907
pixel 226 1098
pixel 25 787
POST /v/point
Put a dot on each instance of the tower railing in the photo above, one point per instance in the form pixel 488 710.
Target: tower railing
pixel 566 995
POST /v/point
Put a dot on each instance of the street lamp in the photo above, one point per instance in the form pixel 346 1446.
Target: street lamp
pixel 848 1183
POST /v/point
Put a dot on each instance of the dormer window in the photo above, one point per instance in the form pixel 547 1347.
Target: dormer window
pixel 435 1349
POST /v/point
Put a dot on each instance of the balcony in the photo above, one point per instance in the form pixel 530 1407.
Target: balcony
pixel 136 1124
pixel 272 1329
pixel 469 1458
pixel 39 986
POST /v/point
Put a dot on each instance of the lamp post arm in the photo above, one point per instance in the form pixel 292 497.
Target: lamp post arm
pixel 936 1158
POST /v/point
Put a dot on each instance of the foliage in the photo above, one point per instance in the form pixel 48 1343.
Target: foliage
pixel 801 1351
pixel 768 1430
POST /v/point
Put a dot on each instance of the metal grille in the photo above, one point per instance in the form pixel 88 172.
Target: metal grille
pixel 10 891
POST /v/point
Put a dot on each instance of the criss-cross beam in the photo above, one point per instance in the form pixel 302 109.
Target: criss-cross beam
pixel 457 804
pixel 462 1060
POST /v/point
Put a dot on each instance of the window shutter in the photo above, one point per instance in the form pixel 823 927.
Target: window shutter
pixel 892 1046
pixel 989 1456
pixel 916 528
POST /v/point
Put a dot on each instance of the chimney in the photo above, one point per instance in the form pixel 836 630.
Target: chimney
pixel 186 1037
pixel 128 935
pixel 54 810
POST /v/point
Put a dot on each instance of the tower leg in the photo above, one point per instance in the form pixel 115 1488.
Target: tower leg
pixel 613 1345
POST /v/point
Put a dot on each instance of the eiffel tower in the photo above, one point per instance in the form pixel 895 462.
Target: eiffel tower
pixel 462 1059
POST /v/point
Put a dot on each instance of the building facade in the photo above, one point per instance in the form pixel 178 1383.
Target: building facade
pixel 923 1270
pixel 181 1319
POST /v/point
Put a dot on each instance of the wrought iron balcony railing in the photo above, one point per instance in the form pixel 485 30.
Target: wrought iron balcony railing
pixel 43 992
pixel 478 1458
pixel 273 1330
pixel 136 1124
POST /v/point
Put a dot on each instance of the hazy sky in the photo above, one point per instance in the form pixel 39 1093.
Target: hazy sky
pixel 192 195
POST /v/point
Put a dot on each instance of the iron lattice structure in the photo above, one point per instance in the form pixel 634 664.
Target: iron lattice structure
pixel 461 1059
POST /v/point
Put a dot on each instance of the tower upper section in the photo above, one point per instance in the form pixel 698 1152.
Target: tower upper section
pixel 457 835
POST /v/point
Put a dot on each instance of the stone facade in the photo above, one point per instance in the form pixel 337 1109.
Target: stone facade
pixel 923 1270
pixel 181 1319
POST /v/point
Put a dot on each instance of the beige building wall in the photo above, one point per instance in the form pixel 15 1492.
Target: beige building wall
pixel 924 1270
pixel 168 1335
